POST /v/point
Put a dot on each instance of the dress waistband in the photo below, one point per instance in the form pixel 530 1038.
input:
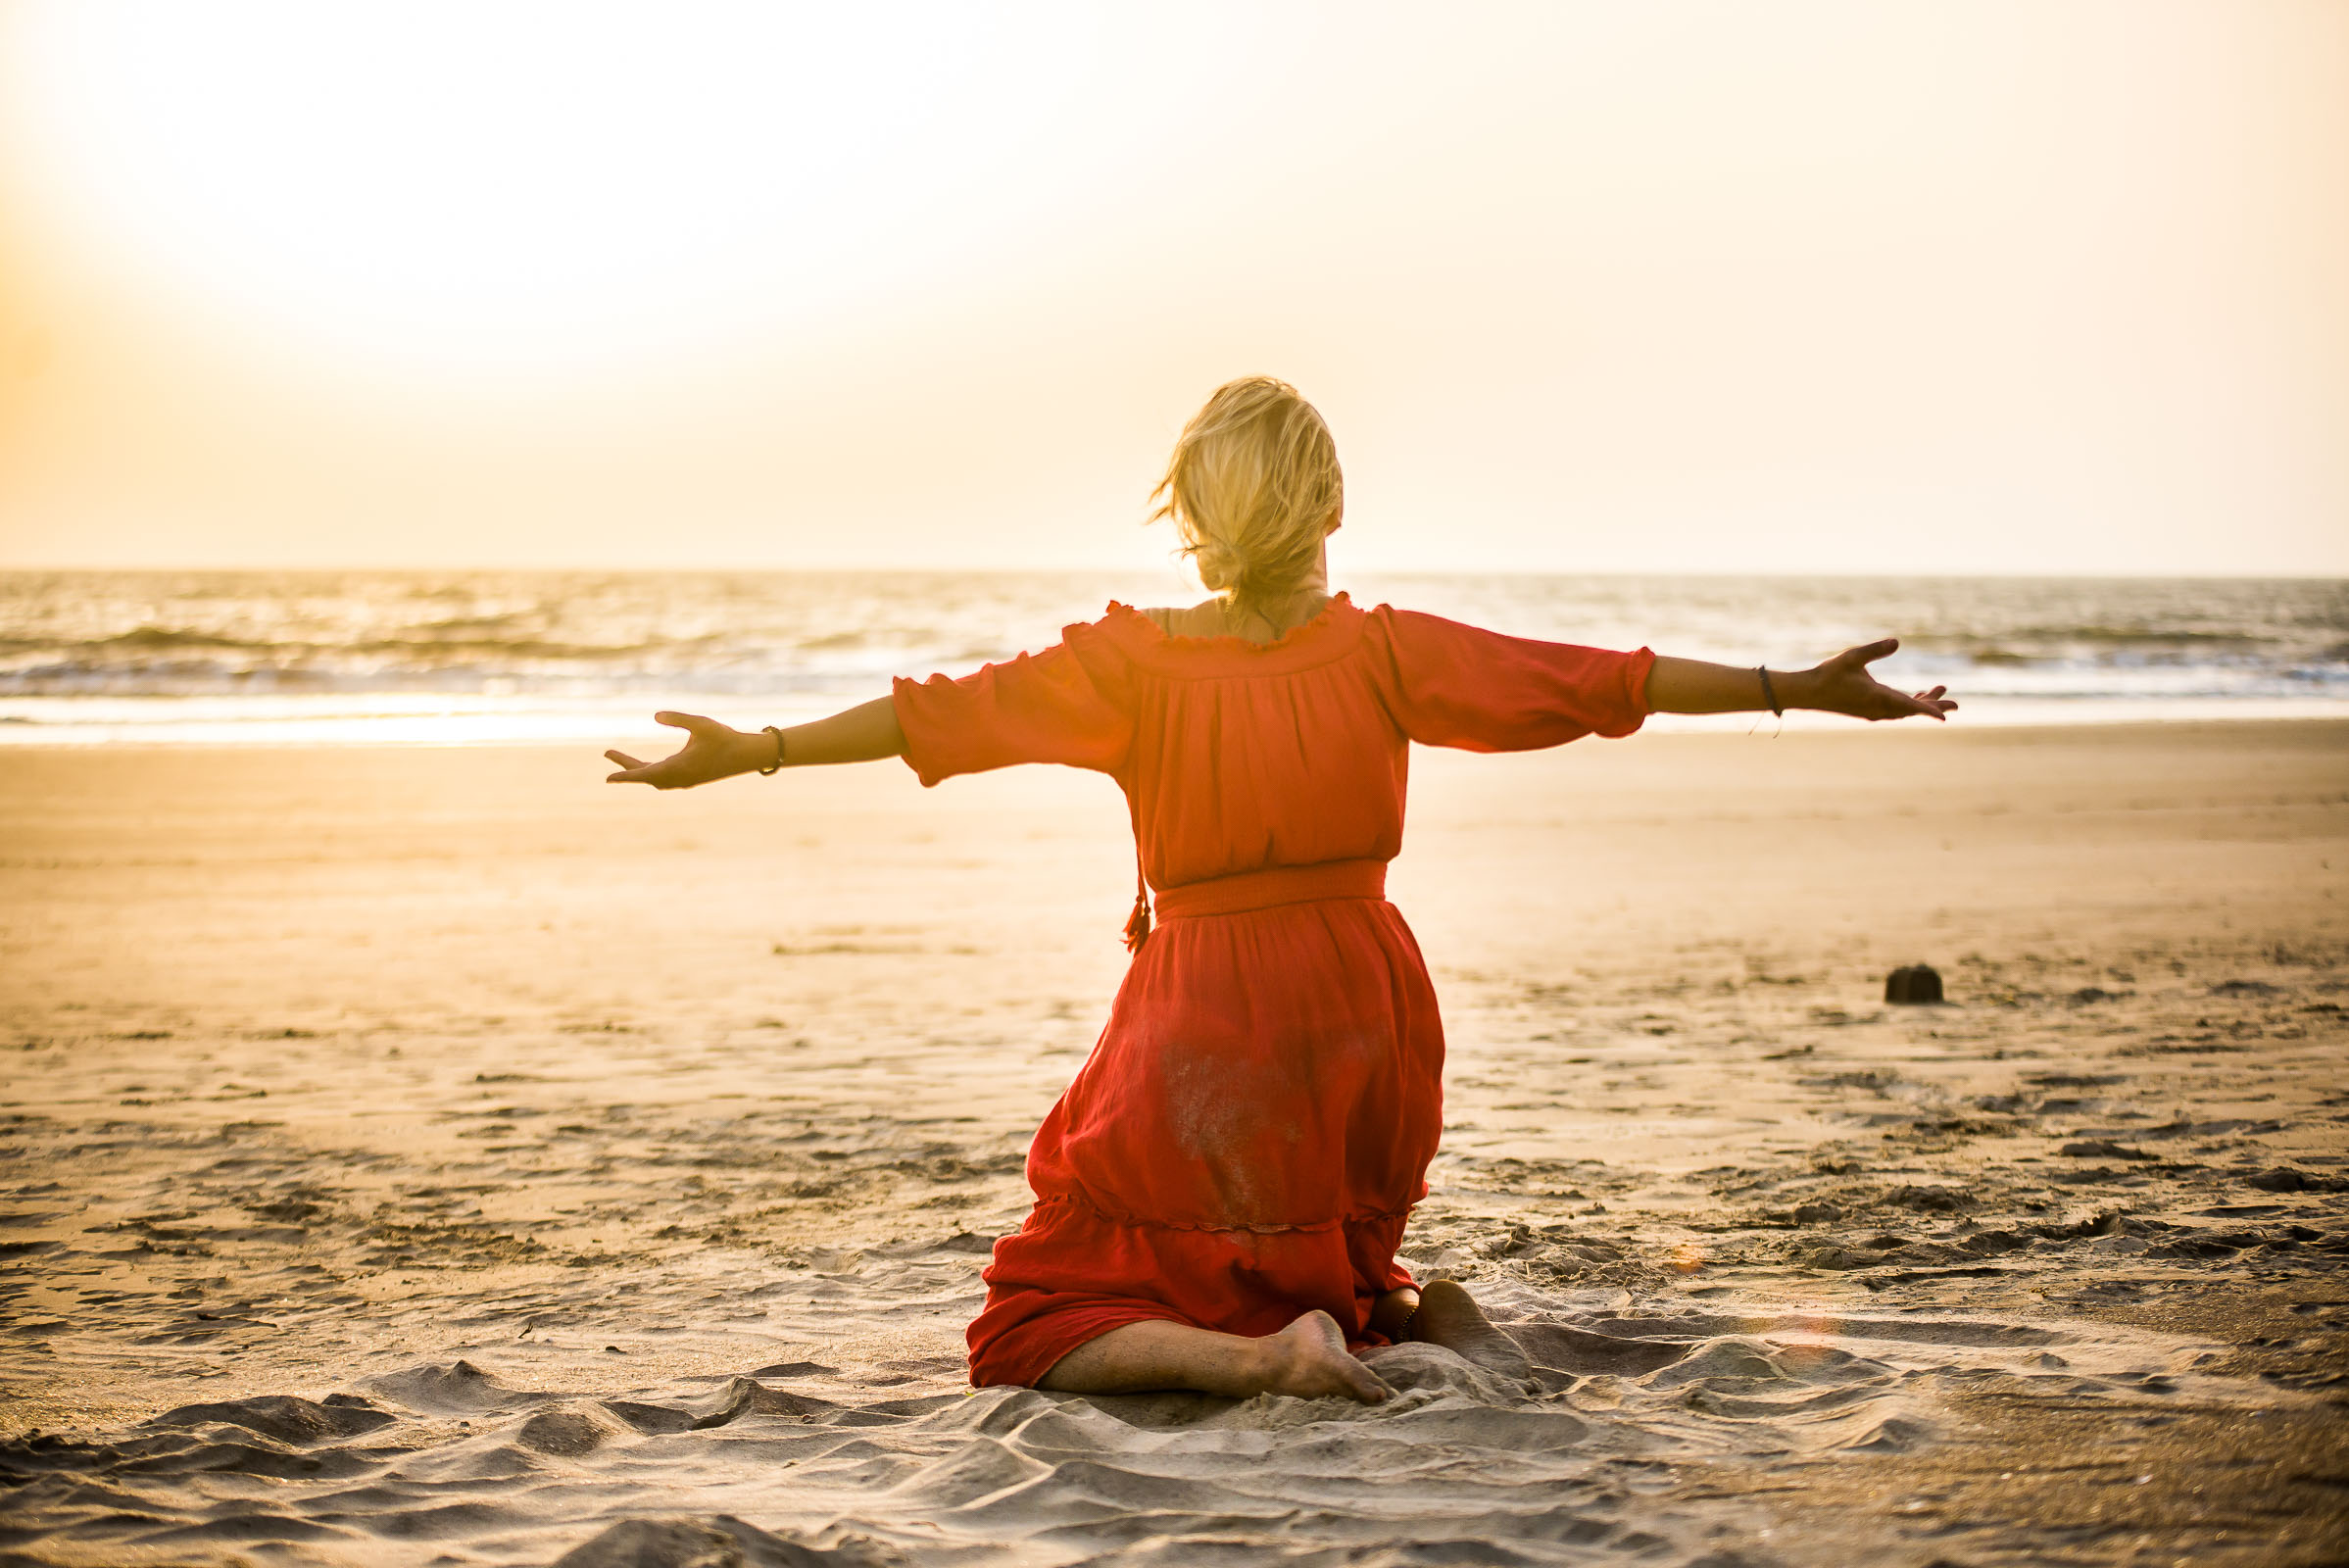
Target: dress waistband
pixel 1281 884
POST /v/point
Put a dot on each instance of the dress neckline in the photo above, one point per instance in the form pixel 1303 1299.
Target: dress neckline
pixel 1328 633
pixel 1288 637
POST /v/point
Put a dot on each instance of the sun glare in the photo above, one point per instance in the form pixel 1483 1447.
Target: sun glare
pixel 493 187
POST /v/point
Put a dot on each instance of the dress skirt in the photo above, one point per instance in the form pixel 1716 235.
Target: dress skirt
pixel 1244 1145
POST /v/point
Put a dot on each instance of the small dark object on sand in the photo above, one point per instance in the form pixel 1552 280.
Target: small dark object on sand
pixel 1913 985
pixel 2104 1149
pixel 2286 1179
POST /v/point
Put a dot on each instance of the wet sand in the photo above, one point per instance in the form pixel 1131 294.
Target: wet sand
pixel 439 1157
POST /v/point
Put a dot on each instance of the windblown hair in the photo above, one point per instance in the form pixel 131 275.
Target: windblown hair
pixel 1253 487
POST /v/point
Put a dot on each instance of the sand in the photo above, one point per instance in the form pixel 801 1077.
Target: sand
pixel 438 1157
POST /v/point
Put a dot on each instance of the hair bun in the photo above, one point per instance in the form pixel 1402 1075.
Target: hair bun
pixel 1253 488
pixel 1219 567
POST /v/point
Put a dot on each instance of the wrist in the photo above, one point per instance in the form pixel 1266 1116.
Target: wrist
pixel 1796 688
pixel 751 749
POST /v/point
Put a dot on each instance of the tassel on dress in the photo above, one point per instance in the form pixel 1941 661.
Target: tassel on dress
pixel 1138 925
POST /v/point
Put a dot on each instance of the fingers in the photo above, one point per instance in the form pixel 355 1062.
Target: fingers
pixel 633 771
pixel 1903 706
pixel 1933 705
pixel 1870 652
pixel 1930 703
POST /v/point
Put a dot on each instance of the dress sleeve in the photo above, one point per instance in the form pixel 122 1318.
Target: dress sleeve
pixel 1454 685
pixel 1065 705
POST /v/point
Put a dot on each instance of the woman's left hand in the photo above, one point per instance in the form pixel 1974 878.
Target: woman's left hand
pixel 711 750
pixel 1842 685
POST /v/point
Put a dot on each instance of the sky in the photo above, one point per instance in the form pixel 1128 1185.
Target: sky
pixel 1879 287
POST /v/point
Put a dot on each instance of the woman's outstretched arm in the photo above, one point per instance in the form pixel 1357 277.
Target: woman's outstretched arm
pixel 1838 685
pixel 713 751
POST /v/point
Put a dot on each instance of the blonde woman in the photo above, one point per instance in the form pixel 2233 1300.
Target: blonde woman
pixel 1220 1192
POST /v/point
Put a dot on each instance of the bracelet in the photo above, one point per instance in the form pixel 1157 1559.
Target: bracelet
pixel 778 735
pixel 1768 695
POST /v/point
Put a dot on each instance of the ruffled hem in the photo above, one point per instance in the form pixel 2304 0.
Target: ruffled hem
pixel 1068 1276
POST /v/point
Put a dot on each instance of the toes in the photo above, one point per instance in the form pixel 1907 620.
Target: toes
pixel 1343 1372
pixel 1324 1367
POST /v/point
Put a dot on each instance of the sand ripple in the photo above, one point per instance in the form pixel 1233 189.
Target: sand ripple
pixel 803 1463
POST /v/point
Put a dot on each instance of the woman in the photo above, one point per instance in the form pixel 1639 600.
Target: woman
pixel 1221 1190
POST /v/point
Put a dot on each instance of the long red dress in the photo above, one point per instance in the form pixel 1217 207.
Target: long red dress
pixel 1255 1122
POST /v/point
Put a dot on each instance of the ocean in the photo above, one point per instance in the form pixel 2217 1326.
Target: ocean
pixel 225 658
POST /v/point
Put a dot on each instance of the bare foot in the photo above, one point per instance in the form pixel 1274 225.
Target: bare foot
pixel 1310 1359
pixel 1307 1358
pixel 1449 1316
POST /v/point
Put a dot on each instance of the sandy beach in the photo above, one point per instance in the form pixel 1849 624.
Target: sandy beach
pixel 437 1155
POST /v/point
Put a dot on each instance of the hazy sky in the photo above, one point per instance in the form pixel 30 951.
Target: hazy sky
pixel 1874 286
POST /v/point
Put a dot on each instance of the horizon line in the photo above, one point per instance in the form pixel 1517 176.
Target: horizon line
pixel 898 570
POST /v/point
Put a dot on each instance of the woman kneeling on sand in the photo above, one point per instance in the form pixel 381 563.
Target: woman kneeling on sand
pixel 1220 1192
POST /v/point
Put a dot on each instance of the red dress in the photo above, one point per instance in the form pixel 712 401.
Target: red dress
pixel 1255 1122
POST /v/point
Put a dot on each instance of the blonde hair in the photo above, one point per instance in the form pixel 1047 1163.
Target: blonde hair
pixel 1252 488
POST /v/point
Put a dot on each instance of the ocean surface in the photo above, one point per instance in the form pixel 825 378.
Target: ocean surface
pixel 102 658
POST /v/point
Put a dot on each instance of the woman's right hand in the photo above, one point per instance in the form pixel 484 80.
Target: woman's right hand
pixel 1843 685
pixel 711 750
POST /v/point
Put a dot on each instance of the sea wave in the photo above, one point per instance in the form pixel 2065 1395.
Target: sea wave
pixel 73 641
